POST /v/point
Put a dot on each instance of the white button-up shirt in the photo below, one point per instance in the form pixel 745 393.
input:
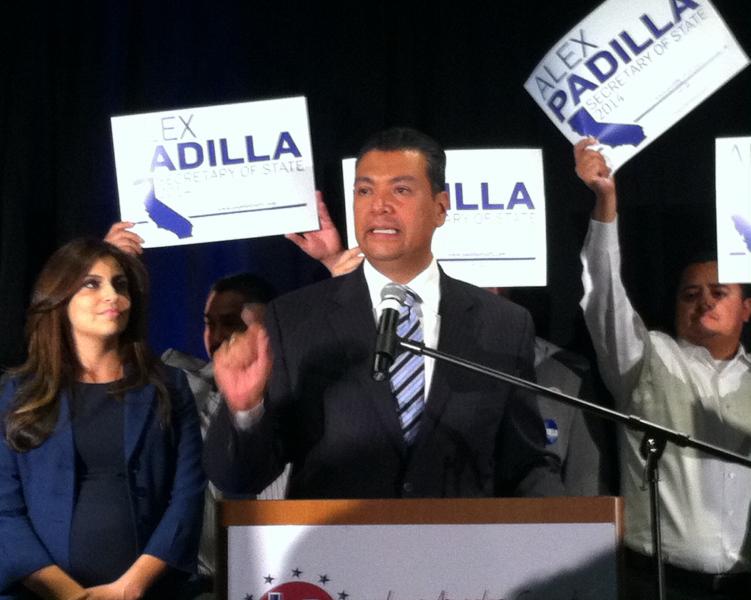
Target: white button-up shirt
pixel 427 286
pixel 705 501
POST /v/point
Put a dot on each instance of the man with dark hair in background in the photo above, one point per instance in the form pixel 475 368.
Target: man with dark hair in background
pixel 232 302
pixel 348 436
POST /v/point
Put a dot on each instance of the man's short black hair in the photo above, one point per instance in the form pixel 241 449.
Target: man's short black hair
pixel 251 287
pixel 704 256
pixel 406 138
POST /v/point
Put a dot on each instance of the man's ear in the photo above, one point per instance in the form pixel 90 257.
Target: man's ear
pixel 746 309
pixel 441 200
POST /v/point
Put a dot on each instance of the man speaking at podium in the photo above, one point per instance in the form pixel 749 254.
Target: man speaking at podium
pixel 301 390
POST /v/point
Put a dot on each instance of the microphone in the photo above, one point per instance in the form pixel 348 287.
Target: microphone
pixel 393 296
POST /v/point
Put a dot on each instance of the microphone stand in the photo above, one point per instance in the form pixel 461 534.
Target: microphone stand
pixel 654 441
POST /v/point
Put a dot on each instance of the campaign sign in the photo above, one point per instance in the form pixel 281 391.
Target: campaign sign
pixel 733 185
pixel 494 233
pixel 217 172
pixel 633 68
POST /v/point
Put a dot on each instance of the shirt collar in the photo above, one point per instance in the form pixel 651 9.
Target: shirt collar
pixel 426 285
pixel 207 370
pixel 700 352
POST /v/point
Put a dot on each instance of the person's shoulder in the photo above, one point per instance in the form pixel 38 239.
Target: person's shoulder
pixel 9 384
pixel 5 378
pixel 660 339
pixel 484 299
pixel 547 350
pixel 10 381
pixel 174 378
pixel 314 292
pixel 180 360
pixel 178 389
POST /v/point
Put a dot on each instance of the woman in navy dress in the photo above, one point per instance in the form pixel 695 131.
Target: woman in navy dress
pixel 101 488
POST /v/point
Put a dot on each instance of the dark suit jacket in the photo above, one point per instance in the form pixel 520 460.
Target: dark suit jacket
pixel 37 488
pixel 581 441
pixel 339 428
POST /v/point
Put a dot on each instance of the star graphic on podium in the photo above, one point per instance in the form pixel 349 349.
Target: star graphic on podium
pixel 248 597
pixel 324 579
pixel 296 573
pixel 343 595
pixel 268 579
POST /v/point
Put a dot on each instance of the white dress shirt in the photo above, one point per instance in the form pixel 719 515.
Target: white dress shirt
pixel 427 286
pixel 705 502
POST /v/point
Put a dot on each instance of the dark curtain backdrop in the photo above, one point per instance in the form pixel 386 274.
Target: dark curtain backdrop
pixel 454 70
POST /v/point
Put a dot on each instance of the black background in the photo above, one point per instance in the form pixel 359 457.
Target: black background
pixel 455 71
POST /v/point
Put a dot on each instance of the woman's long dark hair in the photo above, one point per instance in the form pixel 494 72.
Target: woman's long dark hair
pixel 52 364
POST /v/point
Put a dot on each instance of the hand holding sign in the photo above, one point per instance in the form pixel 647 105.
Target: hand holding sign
pixel 596 175
pixel 325 244
pixel 128 241
pixel 348 261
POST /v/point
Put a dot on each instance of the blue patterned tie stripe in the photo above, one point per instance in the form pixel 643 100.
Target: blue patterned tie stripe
pixel 407 374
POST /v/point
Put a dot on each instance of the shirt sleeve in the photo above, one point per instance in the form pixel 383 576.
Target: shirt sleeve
pixel 245 419
pixel 618 333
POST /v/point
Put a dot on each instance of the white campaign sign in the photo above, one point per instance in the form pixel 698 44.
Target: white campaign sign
pixel 733 185
pixel 556 561
pixel 217 172
pixel 494 233
pixel 632 69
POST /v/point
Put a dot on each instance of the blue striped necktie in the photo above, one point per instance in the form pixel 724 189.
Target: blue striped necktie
pixel 407 374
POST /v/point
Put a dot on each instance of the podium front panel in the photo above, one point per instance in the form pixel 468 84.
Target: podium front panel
pixel 484 549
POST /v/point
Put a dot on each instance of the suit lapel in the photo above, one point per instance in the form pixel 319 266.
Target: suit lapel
pixel 457 331
pixel 139 405
pixel 351 317
pixel 60 445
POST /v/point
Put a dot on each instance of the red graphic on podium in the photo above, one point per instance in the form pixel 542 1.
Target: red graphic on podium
pixel 296 590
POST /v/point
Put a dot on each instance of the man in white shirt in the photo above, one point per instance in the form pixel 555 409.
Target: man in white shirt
pixel 320 409
pixel 698 383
